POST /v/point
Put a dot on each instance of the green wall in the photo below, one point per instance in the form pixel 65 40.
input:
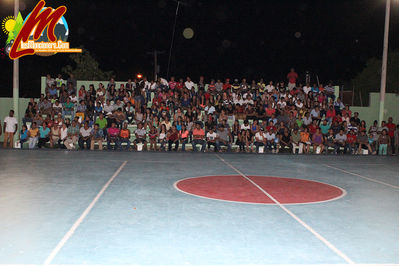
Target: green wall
pixel 370 113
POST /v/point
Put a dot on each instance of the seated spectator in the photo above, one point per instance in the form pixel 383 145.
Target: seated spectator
pixel 96 136
pixel 224 138
pixel 33 133
pixel 285 140
pixel 44 135
pixel 340 142
pixel 112 136
pixel 211 138
pixel 305 140
pixel 85 136
pixel 317 141
pixel 152 135
pixel 296 141
pixel 141 136
pixel 260 139
pixel 173 138
pixel 363 142
pixel 73 135
pixel 68 109
pixel 351 140
pixel 23 135
pixel 124 136
pixel 198 138
pixel 55 134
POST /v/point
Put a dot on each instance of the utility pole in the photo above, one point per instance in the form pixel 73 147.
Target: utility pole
pixel 155 53
pixel 384 62
pixel 15 78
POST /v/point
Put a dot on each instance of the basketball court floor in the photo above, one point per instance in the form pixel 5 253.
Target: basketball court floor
pixel 141 208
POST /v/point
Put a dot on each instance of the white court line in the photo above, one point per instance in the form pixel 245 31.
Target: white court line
pixel 364 177
pixel 310 229
pixel 82 217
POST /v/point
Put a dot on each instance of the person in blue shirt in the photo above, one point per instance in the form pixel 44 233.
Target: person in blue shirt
pixel 23 135
pixel 44 137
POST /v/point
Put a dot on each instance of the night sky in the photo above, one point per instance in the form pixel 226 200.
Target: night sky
pixel 235 39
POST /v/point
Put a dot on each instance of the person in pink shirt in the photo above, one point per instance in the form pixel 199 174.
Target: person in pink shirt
pixel 113 133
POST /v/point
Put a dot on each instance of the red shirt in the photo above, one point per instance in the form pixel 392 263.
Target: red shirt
pixel 391 129
pixel 312 128
pixel 292 77
pixel 351 138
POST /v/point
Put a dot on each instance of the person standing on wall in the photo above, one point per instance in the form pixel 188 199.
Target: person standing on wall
pixel 10 128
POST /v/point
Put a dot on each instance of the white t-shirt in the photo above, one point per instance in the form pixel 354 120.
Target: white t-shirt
pixel 63 133
pixel 269 88
pixel 270 136
pixel 244 127
pixel 84 132
pixel 211 136
pixel 189 85
pixel 11 123
pixel 306 89
pixel 259 136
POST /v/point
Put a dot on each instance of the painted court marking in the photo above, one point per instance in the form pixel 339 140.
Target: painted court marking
pixel 361 176
pixel 205 190
pixel 82 217
pixel 310 229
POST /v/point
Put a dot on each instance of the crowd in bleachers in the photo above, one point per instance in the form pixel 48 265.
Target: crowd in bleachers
pixel 237 115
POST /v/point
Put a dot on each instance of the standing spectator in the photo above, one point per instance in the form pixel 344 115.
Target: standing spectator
pixel 97 136
pixel 391 133
pixel 198 138
pixel 292 77
pixel 85 136
pixel 44 135
pixel 33 135
pixel 10 128
pixel 383 142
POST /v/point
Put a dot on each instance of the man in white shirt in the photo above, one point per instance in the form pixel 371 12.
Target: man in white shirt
pixel 270 87
pixel 211 137
pixel 189 84
pixel 307 88
pixel 10 128
pixel 260 139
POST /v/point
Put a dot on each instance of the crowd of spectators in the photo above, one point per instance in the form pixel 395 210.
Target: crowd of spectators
pixel 254 116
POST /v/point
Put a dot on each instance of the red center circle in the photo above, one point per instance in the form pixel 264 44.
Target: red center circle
pixel 239 189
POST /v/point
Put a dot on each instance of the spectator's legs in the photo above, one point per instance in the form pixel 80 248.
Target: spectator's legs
pixel 81 143
pixel 203 145
pixel 32 142
pixel 170 145
pixel 194 143
pixel 300 148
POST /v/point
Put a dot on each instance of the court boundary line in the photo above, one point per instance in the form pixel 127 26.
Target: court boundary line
pixel 344 192
pixel 362 176
pixel 340 264
pixel 70 232
pixel 309 228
